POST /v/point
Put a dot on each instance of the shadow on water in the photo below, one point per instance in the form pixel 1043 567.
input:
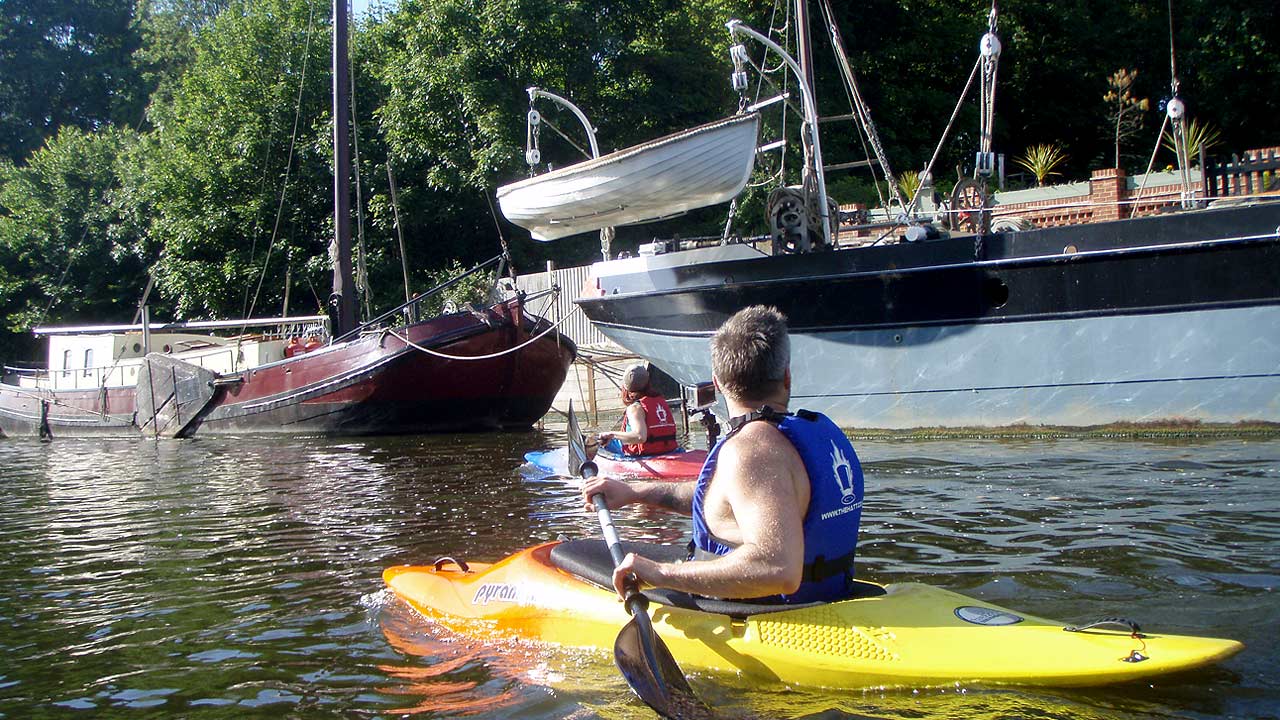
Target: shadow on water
pixel 242 578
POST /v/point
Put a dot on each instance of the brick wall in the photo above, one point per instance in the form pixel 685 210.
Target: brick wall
pixel 1111 195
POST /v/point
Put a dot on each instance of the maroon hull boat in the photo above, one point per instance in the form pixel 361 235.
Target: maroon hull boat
pixel 496 368
pixel 378 383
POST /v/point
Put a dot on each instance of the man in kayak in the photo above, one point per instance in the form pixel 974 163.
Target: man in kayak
pixel 777 505
pixel 649 428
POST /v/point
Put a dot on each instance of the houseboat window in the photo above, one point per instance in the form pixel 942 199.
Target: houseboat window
pixel 66 363
pixel 88 360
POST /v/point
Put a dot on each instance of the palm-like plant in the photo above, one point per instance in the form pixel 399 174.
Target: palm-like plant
pixel 1199 137
pixel 1041 160
pixel 909 183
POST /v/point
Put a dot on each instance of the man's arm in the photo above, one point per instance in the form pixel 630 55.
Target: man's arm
pixel 639 432
pixel 674 496
pixel 760 482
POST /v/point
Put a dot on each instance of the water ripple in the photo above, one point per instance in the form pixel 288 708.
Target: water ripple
pixel 241 578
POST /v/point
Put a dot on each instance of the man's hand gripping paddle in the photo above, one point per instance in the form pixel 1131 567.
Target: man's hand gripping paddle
pixel 640 654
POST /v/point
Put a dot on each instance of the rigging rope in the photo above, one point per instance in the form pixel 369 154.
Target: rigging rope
pixel 990 57
pixel 502 242
pixel 950 123
pixel 1175 112
pixel 50 396
pixel 866 126
pixel 284 188
pixel 586 153
pixel 362 253
pixel 490 356
pixel 57 290
pixel 1152 162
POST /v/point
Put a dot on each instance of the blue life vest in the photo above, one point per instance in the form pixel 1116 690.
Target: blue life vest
pixel 835 504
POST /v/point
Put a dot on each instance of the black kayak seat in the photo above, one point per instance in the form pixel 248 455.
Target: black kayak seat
pixel 589 560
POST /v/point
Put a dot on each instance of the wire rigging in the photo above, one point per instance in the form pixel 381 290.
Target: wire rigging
pixel 866 126
pixel 288 169
pixel 362 253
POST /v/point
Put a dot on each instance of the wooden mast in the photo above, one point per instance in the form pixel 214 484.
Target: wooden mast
pixel 342 306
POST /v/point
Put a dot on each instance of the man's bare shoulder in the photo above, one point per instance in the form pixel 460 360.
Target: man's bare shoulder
pixel 760 444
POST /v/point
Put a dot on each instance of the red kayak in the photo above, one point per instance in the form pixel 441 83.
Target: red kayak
pixel 678 465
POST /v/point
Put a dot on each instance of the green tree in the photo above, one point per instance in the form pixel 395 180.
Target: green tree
pixel 65 63
pixel 1229 58
pixel 66 253
pixel 223 161
pixel 168 30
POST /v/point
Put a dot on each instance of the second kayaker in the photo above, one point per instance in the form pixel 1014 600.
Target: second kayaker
pixel 777 505
pixel 649 428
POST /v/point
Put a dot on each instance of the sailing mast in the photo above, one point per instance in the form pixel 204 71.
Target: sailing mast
pixel 342 308
pixel 804 49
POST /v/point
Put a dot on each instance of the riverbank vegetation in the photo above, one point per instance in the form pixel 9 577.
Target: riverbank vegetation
pixel 190 140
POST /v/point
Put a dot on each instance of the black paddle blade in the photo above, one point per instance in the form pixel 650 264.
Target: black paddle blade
pixel 653 675
pixel 577 448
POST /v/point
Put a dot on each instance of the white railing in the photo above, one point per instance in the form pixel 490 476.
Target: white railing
pixel 577 327
pixel 91 378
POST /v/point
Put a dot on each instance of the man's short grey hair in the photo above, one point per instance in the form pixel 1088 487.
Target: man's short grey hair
pixel 751 352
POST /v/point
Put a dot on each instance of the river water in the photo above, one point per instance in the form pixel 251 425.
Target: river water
pixel 241 578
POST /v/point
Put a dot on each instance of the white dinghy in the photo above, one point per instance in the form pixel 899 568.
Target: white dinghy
pixel 694 168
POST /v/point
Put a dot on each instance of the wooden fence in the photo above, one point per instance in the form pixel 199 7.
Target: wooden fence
pixel 1258 171
pixel 570 280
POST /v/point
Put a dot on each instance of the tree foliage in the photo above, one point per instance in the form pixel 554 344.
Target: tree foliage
pixel 168 31
pixel 66 252
pixel 65 63
pixel 232 157
pixel 224 180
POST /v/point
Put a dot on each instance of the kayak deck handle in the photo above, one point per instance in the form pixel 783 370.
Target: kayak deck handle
pixel 1125 623
pixel 440 562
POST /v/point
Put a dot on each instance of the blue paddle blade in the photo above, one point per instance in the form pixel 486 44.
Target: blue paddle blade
pixel 653 674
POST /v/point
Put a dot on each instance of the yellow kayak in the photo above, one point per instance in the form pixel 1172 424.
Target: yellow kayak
pixel 901 634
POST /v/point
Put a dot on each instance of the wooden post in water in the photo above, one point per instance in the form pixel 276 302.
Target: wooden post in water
pixel 591 393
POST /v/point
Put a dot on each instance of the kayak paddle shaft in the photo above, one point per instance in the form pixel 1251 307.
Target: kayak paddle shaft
pixel 606 525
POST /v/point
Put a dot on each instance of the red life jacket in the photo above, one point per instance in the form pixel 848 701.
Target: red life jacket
pixel 661 427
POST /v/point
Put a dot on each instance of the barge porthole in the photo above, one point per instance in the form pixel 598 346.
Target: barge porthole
pixel 996 292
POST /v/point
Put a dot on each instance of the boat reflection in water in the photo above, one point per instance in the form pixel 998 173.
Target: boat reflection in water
pixel 466 676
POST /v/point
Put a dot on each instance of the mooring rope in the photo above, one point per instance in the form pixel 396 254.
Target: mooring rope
pixel 490 356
